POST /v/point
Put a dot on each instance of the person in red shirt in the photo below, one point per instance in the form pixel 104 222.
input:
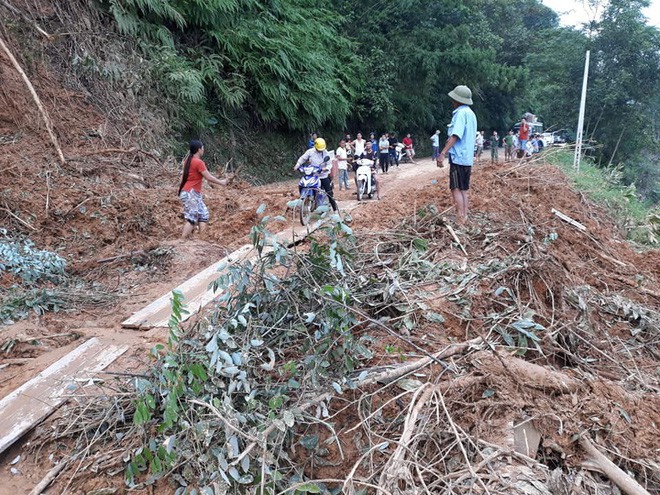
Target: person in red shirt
pixel 410 151
pixel 523 135
pixel 195 211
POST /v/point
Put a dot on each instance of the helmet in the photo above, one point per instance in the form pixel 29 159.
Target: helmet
pixel 319 144
pixel 461 94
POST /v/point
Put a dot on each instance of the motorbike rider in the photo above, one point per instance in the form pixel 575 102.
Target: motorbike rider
pixel 410 151
pixel 373 179
pixel 316 156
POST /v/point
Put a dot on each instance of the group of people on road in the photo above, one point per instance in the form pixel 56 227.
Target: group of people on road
pixel 381 152
pixel 463 145
pixel 516 145
pixel 384 151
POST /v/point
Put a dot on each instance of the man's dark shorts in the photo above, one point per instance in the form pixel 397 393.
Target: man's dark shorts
pixel 459 176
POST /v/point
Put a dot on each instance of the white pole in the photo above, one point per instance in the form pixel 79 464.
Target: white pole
pixel 583 101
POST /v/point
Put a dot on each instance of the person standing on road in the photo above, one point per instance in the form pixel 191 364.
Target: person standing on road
pixel 410 151
pixel 494 148
pixel 374 148
pixel 342 164
pixel 195 212
pixel 435 144
pixel 384 153
pixel 359 146
pixel 460 146
pixel 480 145
pixel 316 156
pixel 508 146
pixel 523 134
pixel 394 158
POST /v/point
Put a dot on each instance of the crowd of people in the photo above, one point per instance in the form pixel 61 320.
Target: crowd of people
pixel 383 152
pixel 516 145
pixel 464 145
pixel 386 151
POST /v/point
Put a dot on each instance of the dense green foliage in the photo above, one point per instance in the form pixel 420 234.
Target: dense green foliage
pixel 275 59
pixel 292 66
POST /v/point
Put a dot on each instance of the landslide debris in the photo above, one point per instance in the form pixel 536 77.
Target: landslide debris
pixel 386 359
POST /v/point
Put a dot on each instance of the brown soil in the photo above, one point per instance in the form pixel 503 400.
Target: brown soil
pixel 107 204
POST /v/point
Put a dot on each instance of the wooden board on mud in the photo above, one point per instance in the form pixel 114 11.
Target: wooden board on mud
pixel 196 290
pixel 28 405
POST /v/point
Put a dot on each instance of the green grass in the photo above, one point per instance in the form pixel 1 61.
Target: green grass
pixel 603 186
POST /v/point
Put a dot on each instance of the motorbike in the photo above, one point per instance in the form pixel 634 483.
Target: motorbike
pixel 366 185
pixel 401 155
pixel 311 194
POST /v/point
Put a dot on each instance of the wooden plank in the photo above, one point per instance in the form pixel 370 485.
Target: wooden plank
pixel 568 219
pixel 193 289
pixel 196 290
pixel 28 405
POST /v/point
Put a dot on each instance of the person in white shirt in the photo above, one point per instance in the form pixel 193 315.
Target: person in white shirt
pixel 435 144
pixel 480 145
pixel 342 164
pixel 358 146
pixel 384 153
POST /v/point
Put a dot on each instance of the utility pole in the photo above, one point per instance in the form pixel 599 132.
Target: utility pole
pixel 583 101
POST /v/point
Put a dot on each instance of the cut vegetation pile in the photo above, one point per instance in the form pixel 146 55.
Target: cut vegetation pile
pixel 392 362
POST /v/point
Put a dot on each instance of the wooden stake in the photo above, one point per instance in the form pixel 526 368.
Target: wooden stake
pixel 625 482
pixel 37 101
pixel 18 218
pixel 48 479
pixel 453 234
pixel 568 219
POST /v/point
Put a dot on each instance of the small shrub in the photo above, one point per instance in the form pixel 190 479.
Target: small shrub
pixel 31 265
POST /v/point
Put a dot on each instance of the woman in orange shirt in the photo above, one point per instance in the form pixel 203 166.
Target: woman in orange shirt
pixel 195 211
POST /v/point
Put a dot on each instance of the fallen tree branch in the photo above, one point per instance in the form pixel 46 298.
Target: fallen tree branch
pixel 18 218
pixel 120 151
pixel 531 375
pixel 393 470
pixel 37 101
pixel 132 254
pixel 635 285
pixel 453 234
pixel 618 476
pixel 383 377
pixel 19 13
pixel 49 478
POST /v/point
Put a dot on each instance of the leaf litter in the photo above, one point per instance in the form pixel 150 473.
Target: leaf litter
pixel 531 330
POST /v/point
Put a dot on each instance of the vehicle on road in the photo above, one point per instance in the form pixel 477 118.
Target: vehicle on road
pixel 311 194
pixel 366 183
pixel 401 155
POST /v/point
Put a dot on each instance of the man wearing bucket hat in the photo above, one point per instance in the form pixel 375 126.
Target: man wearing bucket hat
pixel 462 134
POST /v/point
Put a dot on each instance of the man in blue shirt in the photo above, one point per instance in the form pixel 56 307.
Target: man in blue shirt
pixel 462 134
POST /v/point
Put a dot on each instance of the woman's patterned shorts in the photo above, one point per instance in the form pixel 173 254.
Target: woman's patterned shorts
pixel 194 209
